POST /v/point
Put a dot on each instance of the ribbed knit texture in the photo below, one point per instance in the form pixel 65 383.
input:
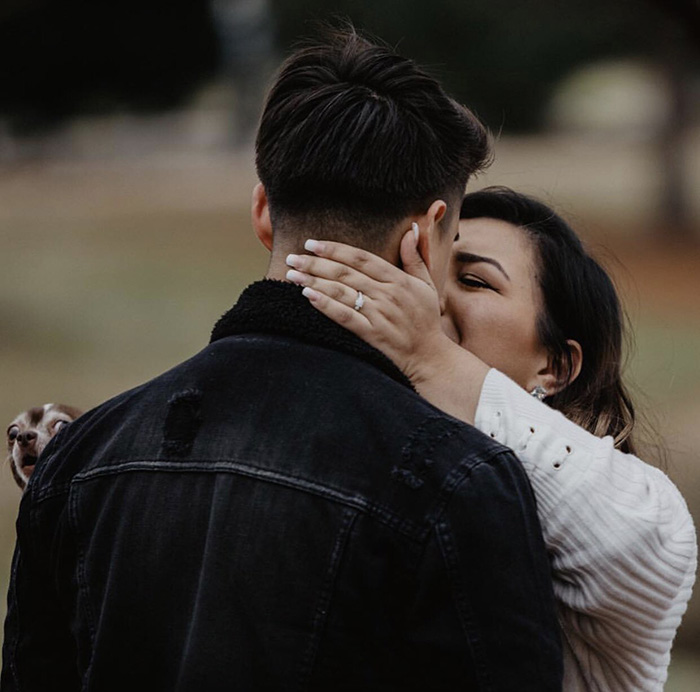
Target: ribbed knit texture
pixel 621 539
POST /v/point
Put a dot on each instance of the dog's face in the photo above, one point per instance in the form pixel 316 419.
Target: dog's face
pixel 30 432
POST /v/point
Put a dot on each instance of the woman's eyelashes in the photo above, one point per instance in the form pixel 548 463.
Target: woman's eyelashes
pixel 473 281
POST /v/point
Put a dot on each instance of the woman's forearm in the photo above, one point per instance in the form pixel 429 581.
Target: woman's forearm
pixel 451 379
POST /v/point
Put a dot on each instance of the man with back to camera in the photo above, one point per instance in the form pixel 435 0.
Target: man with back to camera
pixel 283 511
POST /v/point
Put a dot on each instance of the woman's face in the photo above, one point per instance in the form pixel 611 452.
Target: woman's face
pixel 492 298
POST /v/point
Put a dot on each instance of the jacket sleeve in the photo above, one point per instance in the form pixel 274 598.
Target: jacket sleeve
pixel 619 534
pixel 496 607
pixel 39 652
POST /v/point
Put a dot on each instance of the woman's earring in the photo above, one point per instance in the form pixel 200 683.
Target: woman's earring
pixel 539 392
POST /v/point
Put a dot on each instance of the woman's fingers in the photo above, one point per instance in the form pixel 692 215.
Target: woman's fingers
pixel 320 268
pixel 411 260
pixel 334 290
pixel 348 264
pixel 347 317
pixel 399 311
pixel 362 261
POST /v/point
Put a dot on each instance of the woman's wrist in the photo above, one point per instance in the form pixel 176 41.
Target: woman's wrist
pixel 451 379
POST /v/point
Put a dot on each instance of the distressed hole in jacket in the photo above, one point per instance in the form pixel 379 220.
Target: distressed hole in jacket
pixel 182 422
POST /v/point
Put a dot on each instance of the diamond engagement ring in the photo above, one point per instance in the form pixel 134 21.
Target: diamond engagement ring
pixel 359 301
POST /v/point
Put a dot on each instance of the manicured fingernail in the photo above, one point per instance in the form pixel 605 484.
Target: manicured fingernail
pixel 296 277
pixel 311 294
pixel 292 260
pixel 416 230
pixel 313 246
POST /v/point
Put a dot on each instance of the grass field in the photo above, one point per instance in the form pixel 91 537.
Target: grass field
pixel 112 274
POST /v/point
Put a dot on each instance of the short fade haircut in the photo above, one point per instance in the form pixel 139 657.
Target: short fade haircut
pixel 353 138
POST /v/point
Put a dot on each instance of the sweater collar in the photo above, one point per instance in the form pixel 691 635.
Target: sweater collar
pixel 278 307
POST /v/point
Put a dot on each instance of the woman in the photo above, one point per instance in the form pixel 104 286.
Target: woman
pixel 526 311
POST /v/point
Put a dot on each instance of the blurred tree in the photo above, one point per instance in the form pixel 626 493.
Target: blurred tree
pixel 679 40
pixel 246 40
pixel 62 57
pixel 502 57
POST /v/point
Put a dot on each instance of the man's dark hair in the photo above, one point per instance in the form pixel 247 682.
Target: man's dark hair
pixel 354 137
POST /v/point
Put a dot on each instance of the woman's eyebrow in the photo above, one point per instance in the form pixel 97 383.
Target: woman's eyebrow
pixel 470 258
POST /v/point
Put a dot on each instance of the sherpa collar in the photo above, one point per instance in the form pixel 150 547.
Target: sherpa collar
pixel 277 307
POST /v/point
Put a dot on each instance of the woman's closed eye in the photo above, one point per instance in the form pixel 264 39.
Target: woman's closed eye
pixel 473 281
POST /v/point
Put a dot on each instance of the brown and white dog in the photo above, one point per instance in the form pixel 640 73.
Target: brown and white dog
pixel 30 432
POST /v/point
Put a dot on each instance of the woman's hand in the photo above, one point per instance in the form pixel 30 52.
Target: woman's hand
pixel 399 315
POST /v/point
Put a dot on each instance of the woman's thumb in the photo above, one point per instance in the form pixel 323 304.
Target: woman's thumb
pixel 411 259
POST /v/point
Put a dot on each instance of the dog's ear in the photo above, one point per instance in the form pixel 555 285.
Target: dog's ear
pixel 19 422
pixel 69 411
pixel 18 479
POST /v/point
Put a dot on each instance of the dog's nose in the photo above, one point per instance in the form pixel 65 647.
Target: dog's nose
pixel 26 438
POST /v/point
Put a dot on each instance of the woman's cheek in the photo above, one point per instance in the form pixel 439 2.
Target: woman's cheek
pixel 478 330
pixel 448 326
pixel 475 321
pixel 491 336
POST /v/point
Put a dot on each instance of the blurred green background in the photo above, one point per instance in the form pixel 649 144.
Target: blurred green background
pixel 126 167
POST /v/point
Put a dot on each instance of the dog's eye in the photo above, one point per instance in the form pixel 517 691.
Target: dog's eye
pixel 59 424
pixel 12 433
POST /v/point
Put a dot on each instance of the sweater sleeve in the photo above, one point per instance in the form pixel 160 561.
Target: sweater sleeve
pixel 619 534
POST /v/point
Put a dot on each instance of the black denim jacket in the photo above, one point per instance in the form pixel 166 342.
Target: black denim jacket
pixel 280 512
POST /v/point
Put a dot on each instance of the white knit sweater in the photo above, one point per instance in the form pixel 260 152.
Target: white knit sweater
pixel 619 534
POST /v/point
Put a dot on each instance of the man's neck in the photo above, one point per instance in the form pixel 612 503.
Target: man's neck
pixel 278 267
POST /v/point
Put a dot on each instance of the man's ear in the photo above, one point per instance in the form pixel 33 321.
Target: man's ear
pixel 429 232
pixel 260 216
pixel 547 376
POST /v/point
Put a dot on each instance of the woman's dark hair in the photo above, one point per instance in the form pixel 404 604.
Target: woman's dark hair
pixel 356 137
pixel 579 302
